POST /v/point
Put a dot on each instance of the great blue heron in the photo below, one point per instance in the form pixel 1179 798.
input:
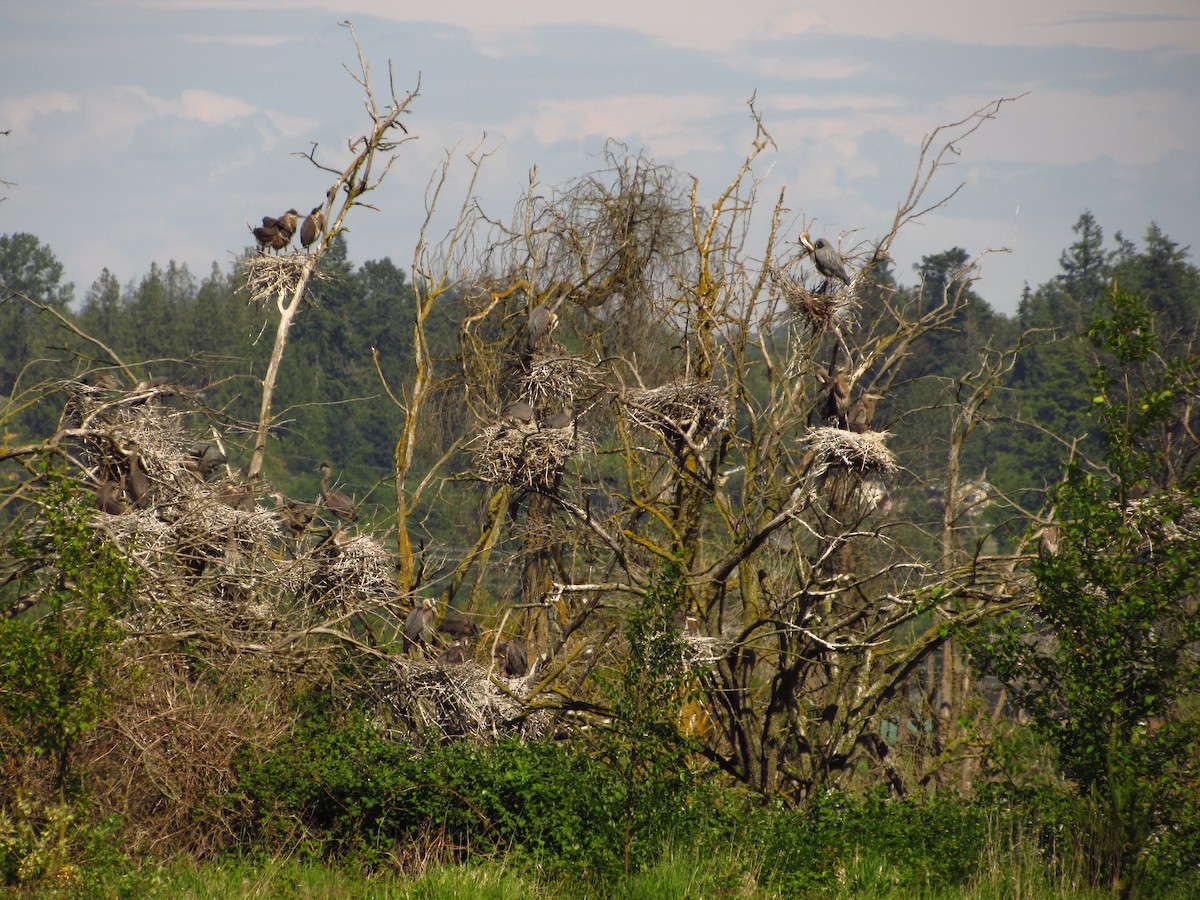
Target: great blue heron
pixel 139 481
pixel 459 626
pixel 858 419
pixel 207 456
pixel 296 515
pixel 287 224
pixel 420 626
pixel 108 496
pixel 335 501
pixel 314 224
pixel 557 420
pixel 833 396
pixel 542 321
pixel 518 413
pixel 268 235
pixel 236 495
pixel 827 260
pixel 512 656
pixel 454 655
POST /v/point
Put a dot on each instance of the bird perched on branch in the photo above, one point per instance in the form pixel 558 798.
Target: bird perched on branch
pixel 314 224
pixel 335 501
pixel 827 260
pixel 833 395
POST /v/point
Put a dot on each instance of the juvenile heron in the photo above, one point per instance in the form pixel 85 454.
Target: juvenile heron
pixel 205 457
pixel 542 321
pixel 314 224
pixel 513 657
pixel 335 501
pixel 139 481
pixel 459 626
pixel 108 496
pixel 557 421
pixel 858 420
pixel 833 397
pixel 827 260
pixel 269 236
pixel 287 224
pixel 296 515
pixel 420 626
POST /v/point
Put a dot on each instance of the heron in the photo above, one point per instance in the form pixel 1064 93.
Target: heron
pixel 108 496
pixel 287 225
pixel 236 495
pixel 513 657
pixel 335 501
pixel 268 235
pixel 833 397
pixel 542 321
pixel 420 626
pixel 459 626
pixel 454 655
pixel 558 420
pixel 858 419
pixel 296 515
pixel 206 457
pixel 827 260
pixel 314 224
pixel 139 481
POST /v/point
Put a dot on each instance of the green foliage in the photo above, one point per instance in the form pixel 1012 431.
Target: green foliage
pixel 335 788
pixel 55 659
pixel 1110 651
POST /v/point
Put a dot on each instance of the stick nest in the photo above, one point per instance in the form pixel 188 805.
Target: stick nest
pixel 836 450
pixel 816 311
pixel 463 700
pixel 526 455
pixel 268 277
pixel 552 377
pixel 696 409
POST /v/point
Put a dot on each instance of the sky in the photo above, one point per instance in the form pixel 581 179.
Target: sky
pixel 145 131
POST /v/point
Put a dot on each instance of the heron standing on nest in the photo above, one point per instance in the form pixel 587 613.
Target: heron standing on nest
pixel 420 626
pixel 335 501
pixel 858 420
pixel 827 260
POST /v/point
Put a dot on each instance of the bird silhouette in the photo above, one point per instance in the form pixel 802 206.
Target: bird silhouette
pixel 542 321
pixel 314 224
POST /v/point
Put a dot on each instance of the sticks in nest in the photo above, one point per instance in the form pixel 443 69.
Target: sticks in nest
pixel 695 410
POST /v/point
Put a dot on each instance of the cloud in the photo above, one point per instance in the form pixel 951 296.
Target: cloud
pixel 211 108
pixel 252 41
pixel 19 112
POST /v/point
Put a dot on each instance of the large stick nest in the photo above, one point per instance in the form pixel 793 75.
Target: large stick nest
pixel 837 450
pixel 526 455
pixel 269 277
pixel 552 376
pixel 455 701
pixel 696 409
pixel 816 311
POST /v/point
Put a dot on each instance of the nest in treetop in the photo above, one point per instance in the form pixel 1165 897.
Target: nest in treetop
pixel 525 455
pixel 816 311
pixel 268 277
pixel 552 376
pixel 697 409
pixel 837 450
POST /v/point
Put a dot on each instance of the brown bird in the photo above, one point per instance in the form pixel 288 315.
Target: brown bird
pixel 287 224
pixel 296 515
pixel 268 235
pixel 236 495
pixel 108 496
pixel 420 626
pixel 513 657
pixel 335 501
pixel 454 655
pixel 858 419
pixel 314 224
pixel 459 626
pixel 833 396
pixel 139 481
pixel 205 457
